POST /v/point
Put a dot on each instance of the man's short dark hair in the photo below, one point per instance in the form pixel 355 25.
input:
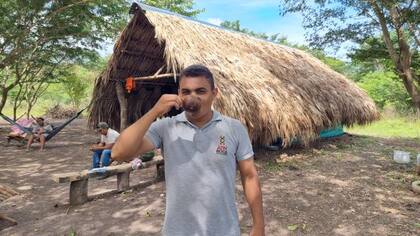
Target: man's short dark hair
pixel 198 71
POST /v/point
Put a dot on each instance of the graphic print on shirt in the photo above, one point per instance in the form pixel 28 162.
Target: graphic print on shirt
pixel 221 148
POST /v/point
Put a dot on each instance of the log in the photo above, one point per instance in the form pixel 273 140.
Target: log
pixel 160 172
pixel 10 220
pixel 156 76
pixel 123 181
pixel 78 192
pixel 110 170
pixel 7 191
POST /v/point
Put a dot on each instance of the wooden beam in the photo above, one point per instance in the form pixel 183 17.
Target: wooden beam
pixel 123 181
pixel 110 170
pixel 10 220
pixel 149 55
pixel 139 53
pixel 156 76
pixel 78 192
pixel 160 69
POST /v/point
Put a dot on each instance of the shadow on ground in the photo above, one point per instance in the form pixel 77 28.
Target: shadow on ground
pixel 344 186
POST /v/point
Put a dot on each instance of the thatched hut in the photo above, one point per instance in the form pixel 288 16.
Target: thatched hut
pixel 276 91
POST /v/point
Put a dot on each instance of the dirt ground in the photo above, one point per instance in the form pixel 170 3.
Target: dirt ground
pixel 343 186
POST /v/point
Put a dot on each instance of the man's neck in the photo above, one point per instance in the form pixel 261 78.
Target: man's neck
pixel 200 121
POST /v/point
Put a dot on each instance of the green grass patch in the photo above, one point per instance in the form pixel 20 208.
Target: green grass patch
pixel 396 127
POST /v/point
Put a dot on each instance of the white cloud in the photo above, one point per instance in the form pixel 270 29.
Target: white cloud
pixel 215 21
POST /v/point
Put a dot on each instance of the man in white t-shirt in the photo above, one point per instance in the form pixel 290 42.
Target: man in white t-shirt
pixel 102 151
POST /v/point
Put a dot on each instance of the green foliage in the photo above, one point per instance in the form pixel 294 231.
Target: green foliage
pixel 40 35
pixel 372 55
pixel 386 89
pixel 76 84
pixel 330 23
pixel 183 7
pixel 335 64
pixel 236 26
pixel 390 127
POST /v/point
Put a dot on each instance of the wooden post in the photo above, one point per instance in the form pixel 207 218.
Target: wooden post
pixel 123 105
pixel 8 219
pixel 78 192
pixel 160 172
pixel 123 181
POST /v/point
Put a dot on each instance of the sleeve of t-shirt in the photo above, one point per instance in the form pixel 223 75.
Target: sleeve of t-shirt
pixel 112 138
pixel 244 148
pixel 48 128
pixel 155 132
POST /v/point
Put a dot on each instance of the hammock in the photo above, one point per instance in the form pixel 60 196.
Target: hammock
pixel 50 134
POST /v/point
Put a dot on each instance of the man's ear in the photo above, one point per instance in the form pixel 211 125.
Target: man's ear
pixel 215 91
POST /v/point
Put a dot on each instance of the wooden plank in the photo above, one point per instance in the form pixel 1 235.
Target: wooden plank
pixel 78 192
pixel 8 219
pixel 110 170
pixel 160 171
pixel 70 176
pixel 123 181
pixel 156 76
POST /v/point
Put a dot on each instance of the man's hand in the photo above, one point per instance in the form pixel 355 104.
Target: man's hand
pixel 96 146
pixel 165 103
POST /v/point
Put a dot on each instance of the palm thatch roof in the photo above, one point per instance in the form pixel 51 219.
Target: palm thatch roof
pixel 276 91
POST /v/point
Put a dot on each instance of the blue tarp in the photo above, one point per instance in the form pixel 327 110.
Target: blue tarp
pixel 332 132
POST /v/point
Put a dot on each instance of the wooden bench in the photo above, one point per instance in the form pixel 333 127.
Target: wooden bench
pixel 79 180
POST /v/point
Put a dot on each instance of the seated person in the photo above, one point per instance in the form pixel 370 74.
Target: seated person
pixel 39 131
pixel 102 151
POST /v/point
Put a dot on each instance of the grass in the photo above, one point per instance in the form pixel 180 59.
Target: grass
pixel 390 127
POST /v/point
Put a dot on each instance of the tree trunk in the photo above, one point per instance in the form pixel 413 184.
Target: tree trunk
pixel 17 102
pixel 123 106
pixel 407 77
pixel 401 58
pixel 403 64
pixel 3 100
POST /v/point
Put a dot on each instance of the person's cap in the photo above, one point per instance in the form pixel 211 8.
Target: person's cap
pixel 102 125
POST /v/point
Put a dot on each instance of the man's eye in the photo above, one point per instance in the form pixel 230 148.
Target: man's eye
pixel 201 91
pixel 185 92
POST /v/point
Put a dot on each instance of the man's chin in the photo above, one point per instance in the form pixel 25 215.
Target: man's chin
pixel 193 113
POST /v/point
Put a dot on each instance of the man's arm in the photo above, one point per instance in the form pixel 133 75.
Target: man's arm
pixel 132 142
pixel 252 189
pixel 102 146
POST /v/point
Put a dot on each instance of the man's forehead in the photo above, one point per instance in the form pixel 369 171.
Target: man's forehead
pixel 194 83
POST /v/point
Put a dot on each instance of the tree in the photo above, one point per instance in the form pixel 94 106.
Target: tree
pixel 385 89
pixel 372 55
pixel 38 35
pixel 334 63
pixel 333 22
pixel 236 26
pixel 76 83
pixel 183 7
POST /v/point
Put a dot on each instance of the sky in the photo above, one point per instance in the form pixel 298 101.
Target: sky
pixel 261 16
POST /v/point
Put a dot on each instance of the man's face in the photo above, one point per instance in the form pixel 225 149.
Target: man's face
pixel 197 95
pixel 40 122
pixel 103 131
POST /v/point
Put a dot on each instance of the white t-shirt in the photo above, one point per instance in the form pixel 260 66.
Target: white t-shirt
pixel 110 137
